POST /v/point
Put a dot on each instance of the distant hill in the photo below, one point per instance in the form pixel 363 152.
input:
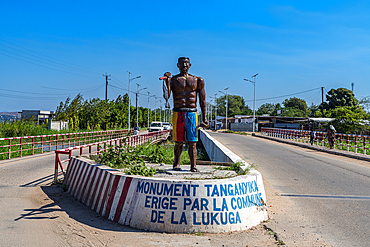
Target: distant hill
pixel 6 116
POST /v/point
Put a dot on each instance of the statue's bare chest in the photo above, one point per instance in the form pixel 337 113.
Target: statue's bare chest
pixel 186 83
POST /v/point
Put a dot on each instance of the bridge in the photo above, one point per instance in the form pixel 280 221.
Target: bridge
pixel 314 198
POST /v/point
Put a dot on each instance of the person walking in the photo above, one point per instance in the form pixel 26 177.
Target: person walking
pixel 331 136
pixel 312 136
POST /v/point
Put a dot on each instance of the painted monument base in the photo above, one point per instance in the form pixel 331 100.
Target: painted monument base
pixel 168 205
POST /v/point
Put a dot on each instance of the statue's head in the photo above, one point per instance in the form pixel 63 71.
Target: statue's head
pixel 183 64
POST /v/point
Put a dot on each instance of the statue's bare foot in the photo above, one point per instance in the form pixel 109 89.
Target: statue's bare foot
pixel 194 169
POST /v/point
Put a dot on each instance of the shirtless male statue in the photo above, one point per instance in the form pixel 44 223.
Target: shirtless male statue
pixel 185 88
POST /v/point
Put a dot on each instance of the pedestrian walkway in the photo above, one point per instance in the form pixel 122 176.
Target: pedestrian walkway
pixel 318 148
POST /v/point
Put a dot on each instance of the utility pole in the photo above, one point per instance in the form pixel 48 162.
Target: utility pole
pixel 129 93
pixel 155 108
pixel 322 101
pixel 226 103
pixel 353 85
pixel 106 85
pixel 137 96
pixel 214 100
pixel 254 101
pixel 148 108
pixel 216 112
pixel 160 111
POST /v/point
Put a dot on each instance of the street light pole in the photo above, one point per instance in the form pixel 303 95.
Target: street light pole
pixel 226 103
pixel 216 112
pixel 160 110
pixel 129 93
pixel 155 108
pixel 214 99
pixel 137 96
pixel 148 108
pixel 254 100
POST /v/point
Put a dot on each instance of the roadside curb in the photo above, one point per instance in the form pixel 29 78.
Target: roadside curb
pixel 320 149
pixel 168 205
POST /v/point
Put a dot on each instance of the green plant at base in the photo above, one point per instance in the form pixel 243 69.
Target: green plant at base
pixel 120 156
pixel 142 170
pixel 237 167
pixel 161 154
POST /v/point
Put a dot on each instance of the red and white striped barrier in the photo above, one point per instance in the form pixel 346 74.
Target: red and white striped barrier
pixel 29 145
pixel 165 205
pixel 130 141
pixel 348 142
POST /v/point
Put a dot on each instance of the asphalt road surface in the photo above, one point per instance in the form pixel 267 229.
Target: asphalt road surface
pixel 315 200
pixel 330 193
pixel 35 213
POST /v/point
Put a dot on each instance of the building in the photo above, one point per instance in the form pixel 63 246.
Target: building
pixel 245 123
pixel 39 116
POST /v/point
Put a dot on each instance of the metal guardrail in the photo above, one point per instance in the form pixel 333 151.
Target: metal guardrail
pixel 28 145
pixel 347 142
pixel 133 141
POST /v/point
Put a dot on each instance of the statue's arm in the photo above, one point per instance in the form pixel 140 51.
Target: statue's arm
pixel 202 101
pixel 168 82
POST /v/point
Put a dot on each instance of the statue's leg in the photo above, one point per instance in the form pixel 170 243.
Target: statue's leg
pixel 177 155
pixel 192 151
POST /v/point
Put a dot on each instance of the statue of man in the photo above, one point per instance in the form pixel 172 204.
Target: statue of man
pixel 185 88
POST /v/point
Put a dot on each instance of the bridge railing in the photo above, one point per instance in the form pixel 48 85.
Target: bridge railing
pixel 347 142
pixel 97 147
pixel 13 147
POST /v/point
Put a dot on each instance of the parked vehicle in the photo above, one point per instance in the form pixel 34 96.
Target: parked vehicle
pixel 167 126
pixel 156 126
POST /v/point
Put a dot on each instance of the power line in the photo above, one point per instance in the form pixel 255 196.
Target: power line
pixel 48 61
pixel 42 95
pixel 69 90
pixel 74 65
pixel 15 91
pixel 126 90
pixel 118 81
pixel 281 96
pixel 46 66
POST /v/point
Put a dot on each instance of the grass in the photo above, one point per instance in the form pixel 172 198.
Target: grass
pixel 164 153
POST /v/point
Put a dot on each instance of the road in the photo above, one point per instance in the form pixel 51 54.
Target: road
pixel 35 213
pixel 313 199
pixel 328 194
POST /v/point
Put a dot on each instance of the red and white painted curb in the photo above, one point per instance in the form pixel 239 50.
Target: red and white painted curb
pixel 166 205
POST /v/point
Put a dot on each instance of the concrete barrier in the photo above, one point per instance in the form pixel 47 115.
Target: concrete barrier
pixel 168 205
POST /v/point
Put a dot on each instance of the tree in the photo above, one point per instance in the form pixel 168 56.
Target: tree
pixel 349 120
pixel 314 110
pixel 266 109
pixel 340 97
pixel 295 107
pixel 236 106
pixel 296 103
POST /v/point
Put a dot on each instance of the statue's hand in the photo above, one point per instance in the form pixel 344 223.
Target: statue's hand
pixel 204 124
pixel 167 76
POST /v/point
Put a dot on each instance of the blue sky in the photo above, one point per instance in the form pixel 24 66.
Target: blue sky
pixel 50 50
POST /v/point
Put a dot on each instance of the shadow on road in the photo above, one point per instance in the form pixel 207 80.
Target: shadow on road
pixel 63 202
